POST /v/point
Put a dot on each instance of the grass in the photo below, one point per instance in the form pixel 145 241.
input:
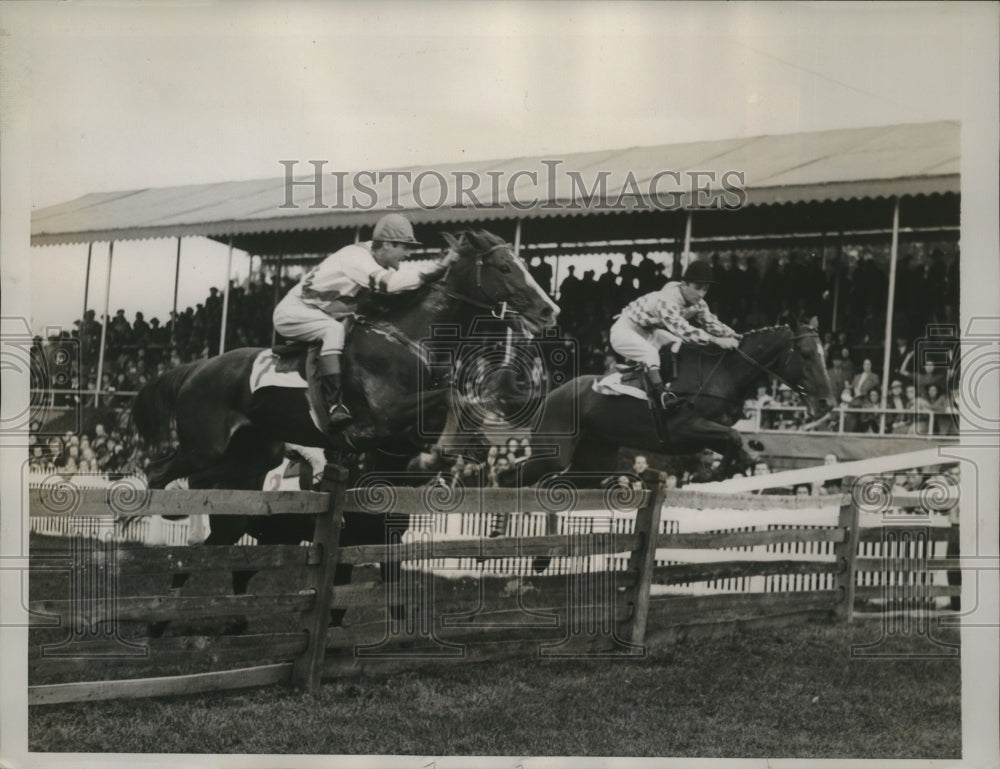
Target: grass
pixel 789 692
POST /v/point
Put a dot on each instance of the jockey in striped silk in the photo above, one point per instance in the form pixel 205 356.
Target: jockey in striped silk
pixel 676 314
pixel 311 310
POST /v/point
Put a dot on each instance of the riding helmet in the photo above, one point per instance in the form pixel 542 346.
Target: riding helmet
pixel 394 228
pixel 699 272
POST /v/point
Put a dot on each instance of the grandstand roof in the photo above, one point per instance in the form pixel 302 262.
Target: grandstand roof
pixel 818 167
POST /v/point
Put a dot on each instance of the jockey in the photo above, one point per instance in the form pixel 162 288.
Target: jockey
pixel 311 310
pixel 675 314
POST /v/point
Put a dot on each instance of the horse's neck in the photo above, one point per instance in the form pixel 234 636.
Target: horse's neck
pixel 436 307
pixel 731 375
pixel 767 355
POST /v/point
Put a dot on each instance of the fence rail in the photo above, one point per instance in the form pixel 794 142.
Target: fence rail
pixel 608 600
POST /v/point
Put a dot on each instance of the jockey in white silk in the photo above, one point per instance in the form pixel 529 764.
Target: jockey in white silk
pixel 312 308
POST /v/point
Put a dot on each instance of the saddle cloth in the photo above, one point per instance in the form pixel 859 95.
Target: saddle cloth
pixel 619 384
pixel 266 372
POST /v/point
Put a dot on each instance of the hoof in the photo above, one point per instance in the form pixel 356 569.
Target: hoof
pixel 540 563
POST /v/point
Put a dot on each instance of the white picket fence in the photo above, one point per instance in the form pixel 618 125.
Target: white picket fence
pixel 194 529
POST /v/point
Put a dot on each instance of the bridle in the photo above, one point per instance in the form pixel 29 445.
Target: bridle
pixel 499 310
pixel 799 389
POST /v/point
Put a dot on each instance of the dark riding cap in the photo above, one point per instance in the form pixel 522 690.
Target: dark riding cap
pixel 699 272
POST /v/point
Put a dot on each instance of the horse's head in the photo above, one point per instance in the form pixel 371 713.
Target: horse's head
pixel 486 273
pixel 807 370
pixel 795 355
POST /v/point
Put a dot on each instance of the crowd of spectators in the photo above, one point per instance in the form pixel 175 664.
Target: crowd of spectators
pixel 97 450
pixel 753 289
pixel 66 364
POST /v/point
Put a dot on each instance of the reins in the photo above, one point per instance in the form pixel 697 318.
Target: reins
pixel 799 389
pixel 500 310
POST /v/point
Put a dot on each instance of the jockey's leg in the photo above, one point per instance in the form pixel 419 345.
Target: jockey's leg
pixel 643 346
pixel 296 320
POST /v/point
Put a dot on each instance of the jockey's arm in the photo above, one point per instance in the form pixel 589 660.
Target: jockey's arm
pixel 713 325
pixel 363 269
pixel 674 323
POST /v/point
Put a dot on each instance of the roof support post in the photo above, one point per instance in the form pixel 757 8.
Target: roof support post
pixel 104 325
pixel 517 238
pixel 839 262
pixel 225 299
pixel 686 254
pixel 893 254
pixel 86 285
pixel 278 273
pixel 357 235
pixel 177 280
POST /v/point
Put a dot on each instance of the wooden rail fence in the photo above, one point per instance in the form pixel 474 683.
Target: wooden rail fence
pixel 596 608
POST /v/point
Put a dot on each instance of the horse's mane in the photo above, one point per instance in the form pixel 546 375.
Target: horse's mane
pixel 766 330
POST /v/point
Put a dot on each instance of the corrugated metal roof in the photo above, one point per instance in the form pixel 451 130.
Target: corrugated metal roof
pixel 911 159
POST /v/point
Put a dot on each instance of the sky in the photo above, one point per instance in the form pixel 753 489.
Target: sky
pixel 132 96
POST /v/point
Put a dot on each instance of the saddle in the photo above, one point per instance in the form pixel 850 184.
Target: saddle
pixel 300 356
pixel 632 375
pixel 292 356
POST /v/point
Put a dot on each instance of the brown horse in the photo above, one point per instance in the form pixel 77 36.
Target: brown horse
pixel 580 431
pixel 230 437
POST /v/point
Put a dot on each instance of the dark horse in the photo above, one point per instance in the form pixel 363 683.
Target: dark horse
pixel 583 429
pixel 228 437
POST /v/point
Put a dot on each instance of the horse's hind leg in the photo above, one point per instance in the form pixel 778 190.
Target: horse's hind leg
pixel 544 461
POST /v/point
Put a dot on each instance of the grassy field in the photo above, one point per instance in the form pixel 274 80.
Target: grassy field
pixel 788 692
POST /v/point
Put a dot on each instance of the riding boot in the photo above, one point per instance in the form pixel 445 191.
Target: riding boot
pixel 329 372
pixel 657 388
pixel 668 364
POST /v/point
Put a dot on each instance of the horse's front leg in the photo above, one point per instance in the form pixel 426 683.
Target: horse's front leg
pixel 723 440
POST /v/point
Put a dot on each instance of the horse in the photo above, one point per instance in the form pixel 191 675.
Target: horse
pixel 229 436
pixel 579 430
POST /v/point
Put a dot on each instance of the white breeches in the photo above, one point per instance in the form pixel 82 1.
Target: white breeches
pixel 639 344
pixel 294 319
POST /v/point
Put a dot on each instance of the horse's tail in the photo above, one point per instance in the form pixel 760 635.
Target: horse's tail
pixel 153 409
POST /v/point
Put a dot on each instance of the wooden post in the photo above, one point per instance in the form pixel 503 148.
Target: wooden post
pixel 225 299
pixel 104 325
pixel 847 551
pixel 642 560
pixel 308 667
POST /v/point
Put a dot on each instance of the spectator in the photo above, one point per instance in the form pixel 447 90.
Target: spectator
pixel 870 421
pixel 864 382
pixel 789 415
pixel 899 423
pixel 846 364
pixel 929 375
pixel 541 271
pixel 629 279
pixel 500 465
pixel 938 405
pixel 641 470
pixel 748 422
pixel 922 409
pixel 901 360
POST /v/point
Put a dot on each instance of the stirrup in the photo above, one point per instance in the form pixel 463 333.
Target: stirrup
pixel 339 415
